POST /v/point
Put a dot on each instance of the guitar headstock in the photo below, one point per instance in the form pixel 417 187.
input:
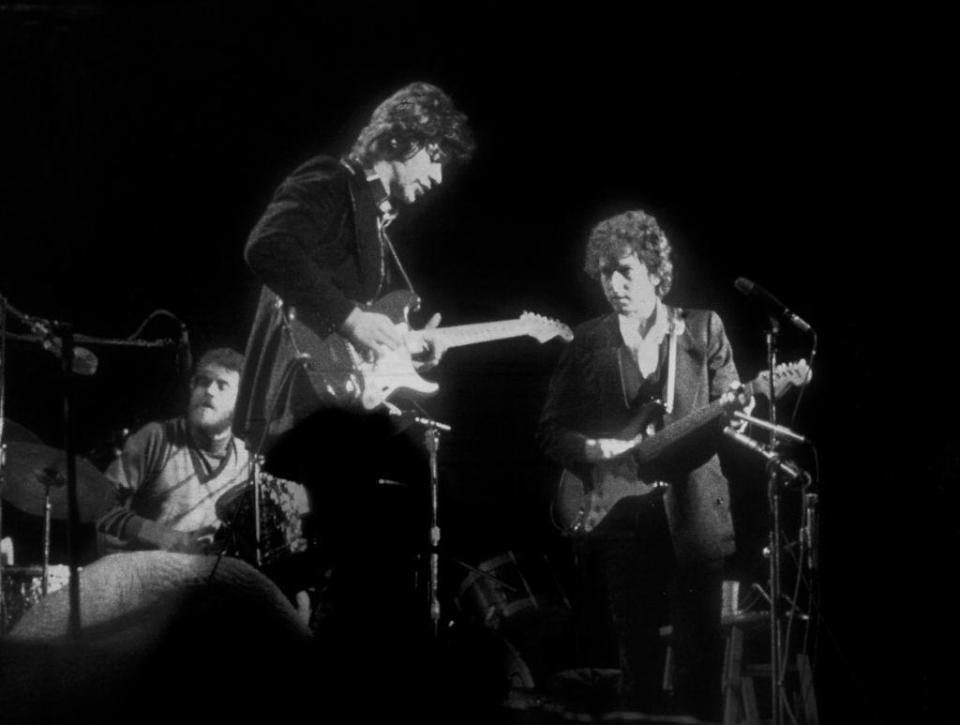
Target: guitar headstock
pixel 785 377
pixel 543 328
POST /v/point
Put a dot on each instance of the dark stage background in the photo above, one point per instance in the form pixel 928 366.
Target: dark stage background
pixel 140 145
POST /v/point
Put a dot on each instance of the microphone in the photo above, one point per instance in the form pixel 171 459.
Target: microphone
pixel 184 356
pixel 779 430
pixel 774 306
pixel 409 417
pixel 84 361
pixel 786 468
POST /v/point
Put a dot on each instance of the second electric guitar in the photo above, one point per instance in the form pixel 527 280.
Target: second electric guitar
pixel 578 508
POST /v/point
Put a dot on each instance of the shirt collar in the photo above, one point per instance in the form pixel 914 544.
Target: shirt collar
pixel 378 191
pixel 661 326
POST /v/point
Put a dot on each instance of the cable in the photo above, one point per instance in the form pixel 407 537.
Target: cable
pixel 155 313
pixel 798 560
pixel 796 405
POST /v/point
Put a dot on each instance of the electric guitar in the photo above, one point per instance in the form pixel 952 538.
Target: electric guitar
pixel 578 509
pixel 337 370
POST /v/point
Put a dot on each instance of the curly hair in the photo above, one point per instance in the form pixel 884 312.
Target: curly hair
pixel 631 231
pixel 225 357
pixel 415 116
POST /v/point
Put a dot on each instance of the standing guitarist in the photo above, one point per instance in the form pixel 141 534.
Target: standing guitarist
pixel 660 552
pixel 322 252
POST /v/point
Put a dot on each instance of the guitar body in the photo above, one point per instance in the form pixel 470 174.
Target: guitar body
pixel 578 509
pixel 337 370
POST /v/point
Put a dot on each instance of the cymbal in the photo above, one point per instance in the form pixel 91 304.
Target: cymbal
pixel 32 467
pixel 13 431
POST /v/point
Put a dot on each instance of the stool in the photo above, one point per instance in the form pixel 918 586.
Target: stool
pixel 739 695
pixel 739 692
pixel 739 672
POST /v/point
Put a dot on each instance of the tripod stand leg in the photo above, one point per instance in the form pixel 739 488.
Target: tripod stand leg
pixel 751 714
pixel 808 697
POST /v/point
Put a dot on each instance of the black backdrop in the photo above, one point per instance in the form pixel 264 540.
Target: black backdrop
pixel 139 146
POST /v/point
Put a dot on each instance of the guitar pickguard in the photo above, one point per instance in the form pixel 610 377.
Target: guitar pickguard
pixel 336 369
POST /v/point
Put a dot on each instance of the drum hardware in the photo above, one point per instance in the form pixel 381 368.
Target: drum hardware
pixel 519 600
pixel 485 574
pixel 36 479
pixel 504 586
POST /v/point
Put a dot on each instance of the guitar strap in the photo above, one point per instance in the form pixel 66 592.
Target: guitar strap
pixel 386 213
pixel 393 253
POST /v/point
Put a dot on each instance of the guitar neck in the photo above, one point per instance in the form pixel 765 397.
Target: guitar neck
pixel 460 335
pixel 653 447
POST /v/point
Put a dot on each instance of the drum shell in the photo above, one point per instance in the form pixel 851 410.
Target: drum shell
pixel 509 586
pixel 23 588
pixel 283 508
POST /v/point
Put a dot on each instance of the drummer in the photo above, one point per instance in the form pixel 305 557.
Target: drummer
pixel 170 473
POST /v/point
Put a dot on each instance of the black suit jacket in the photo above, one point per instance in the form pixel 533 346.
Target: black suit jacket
pixel 592 394
pixel 315 248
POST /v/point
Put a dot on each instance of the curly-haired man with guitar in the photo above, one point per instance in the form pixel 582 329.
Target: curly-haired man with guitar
pixel 633 413
pixel 322 251
pixel 329 342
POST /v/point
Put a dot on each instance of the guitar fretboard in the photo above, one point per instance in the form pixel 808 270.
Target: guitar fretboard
pixel 460 335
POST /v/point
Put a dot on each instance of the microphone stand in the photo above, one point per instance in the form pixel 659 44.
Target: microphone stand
pixel 431 437
pixel 773 497
pixel 65 332
pixel 778 470
pixel 73 507
pixel 3 414
pixel 255 468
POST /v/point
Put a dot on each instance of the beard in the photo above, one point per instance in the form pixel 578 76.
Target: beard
pixel 209 422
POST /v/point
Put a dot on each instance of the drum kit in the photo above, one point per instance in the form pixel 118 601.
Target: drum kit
pixel 41 480
pixel 263 518
pixel 516 599
pixel 34 482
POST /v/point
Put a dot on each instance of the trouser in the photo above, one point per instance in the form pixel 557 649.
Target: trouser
pixel 629 565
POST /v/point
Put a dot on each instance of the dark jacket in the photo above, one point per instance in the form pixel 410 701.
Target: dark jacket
pixel 593 394
pixel 315 248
